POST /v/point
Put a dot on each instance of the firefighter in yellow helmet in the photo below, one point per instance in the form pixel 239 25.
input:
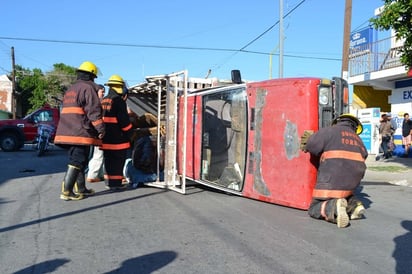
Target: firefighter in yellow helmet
pixel 342 156
pixel 80 127
pixel 351 118
pixel 116 141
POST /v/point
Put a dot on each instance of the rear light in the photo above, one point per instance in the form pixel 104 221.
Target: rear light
pixel 345 96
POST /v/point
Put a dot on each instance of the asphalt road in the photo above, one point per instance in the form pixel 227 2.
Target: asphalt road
pixel 150 230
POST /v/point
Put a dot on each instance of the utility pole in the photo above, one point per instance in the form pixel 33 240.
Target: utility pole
pixel 13 82
pixel 346 39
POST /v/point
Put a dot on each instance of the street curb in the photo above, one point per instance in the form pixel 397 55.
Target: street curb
pixel 400 178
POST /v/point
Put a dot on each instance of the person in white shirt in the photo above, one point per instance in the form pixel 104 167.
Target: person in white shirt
pixel 95 172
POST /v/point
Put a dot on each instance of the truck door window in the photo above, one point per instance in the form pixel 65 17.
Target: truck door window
pixel 224 138
pixel 43 116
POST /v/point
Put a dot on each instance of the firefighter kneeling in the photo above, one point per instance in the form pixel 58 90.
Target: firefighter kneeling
pixel 341 168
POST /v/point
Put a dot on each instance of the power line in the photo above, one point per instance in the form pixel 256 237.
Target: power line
pixel 5 70
pixel 113 44
pixel 271 27
pixel 155 46
pixel 258 37
pixel 361 26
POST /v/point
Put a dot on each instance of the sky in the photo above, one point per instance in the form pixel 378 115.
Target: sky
pixel 136 39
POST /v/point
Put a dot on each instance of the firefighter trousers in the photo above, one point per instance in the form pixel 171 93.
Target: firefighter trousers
pixel 114 161
pixel 78 156
pixel 326 208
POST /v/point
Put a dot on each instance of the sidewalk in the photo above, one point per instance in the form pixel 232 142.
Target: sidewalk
pixel 396 170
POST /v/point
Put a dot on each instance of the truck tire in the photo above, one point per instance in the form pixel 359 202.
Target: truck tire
pixel 9 142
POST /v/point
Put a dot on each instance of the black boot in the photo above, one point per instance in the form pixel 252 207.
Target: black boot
pixel 68 184
pixel 336 212
pixel 342 218
pixel 80 186
pixel 355 208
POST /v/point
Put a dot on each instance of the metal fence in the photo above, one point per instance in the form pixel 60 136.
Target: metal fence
pixel 376 56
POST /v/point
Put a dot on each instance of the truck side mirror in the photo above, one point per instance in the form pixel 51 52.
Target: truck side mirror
pixel 236 78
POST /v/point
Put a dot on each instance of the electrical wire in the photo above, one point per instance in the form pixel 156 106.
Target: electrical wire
pixel 149 46
pixel 271 27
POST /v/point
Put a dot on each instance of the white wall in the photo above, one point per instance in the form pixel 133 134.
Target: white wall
pixel 5 93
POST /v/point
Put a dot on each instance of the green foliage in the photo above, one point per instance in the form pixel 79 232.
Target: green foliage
pixel 65 74
pixel 26 83
pixel 397 15
pixel 35 88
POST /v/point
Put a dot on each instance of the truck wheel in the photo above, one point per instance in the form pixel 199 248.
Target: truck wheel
pixel 9 142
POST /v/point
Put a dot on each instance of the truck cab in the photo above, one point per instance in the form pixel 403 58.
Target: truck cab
pixel 14 133
pixel 242 138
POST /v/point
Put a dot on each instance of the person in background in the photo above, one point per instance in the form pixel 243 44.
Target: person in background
pixel 386 131
pixel 95 172
pixel 80 126
pixel 406 133
pixel 143 164
pixel 116 142
pixel 342 156
pixel 394 126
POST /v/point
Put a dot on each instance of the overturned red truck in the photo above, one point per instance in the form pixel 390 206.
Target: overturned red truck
pixel 241 138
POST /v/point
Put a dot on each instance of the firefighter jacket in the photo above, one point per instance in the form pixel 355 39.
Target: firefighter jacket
pixel 342 160
pixel 117 122
pixel 81 116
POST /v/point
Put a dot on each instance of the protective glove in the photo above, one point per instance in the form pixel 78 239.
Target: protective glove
pixel 304 139
pixel 101 135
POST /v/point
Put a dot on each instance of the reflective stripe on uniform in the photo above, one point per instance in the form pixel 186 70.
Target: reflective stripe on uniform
pixel 327 193
pixel 126 128
pixel 115 146
pixel 64 139
pixel 342 154
pixel 113 177
pixel 111 120
pixel 97 122
pixel 72 110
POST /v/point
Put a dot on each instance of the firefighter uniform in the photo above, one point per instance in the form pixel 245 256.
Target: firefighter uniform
pixel 80 126
pixel 341 168
pixel 116 141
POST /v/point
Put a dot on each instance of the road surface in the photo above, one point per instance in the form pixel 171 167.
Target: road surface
pixel 150 230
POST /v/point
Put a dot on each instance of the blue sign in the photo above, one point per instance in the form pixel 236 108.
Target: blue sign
pixel 376 112
pixel 360 39
pixel 366 136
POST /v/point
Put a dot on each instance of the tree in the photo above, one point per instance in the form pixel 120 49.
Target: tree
pixel 26 83
pixel 397 15
pixel 65 74
pixel 36 88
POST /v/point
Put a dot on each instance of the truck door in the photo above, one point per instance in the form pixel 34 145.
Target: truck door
pixel 224 133
pixel 169 118
pixel 44 116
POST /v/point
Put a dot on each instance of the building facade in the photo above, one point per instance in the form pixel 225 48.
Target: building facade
pixel 380 82
pixel 6 89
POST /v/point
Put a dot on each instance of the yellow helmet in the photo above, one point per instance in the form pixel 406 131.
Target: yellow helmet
pixel 115 80
pixel 117 83
pixel 89 67
pixel 359 127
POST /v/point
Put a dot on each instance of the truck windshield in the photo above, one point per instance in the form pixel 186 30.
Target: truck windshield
pixel 224 138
